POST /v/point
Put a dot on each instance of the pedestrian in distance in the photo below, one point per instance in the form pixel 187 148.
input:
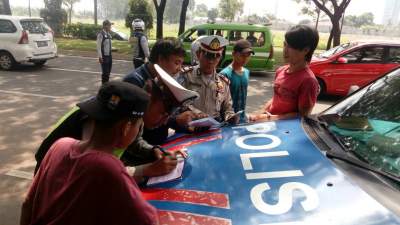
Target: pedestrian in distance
pixel 139 43
pixel 104 47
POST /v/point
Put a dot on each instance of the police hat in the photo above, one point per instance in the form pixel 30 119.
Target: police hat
pixel 116 100
pixel 213 43
pixel 171 88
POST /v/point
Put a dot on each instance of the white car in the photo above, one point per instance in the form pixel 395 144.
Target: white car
pixel 25 39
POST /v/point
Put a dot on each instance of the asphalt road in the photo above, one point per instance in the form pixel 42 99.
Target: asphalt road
pixel 32 99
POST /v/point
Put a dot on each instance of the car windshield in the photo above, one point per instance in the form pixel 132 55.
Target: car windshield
pixel 368 123
pixel 335 50
pixel 34 26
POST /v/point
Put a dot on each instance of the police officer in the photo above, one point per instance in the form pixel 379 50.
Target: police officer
pixel 139 43
pixel 195 47
pixel 104 51
pixel 213 88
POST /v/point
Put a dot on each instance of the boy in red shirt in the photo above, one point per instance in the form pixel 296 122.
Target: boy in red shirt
pixel 81 182
pixel 295 86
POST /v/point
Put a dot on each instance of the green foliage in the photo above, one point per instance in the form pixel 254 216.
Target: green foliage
pixel 230 8
pixel 56 18
pixel 82 31
pixel 172 11
pixel 364 19
pixel 139 9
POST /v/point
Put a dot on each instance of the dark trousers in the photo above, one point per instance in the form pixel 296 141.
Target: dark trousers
pixel 137 62
pixel 106 69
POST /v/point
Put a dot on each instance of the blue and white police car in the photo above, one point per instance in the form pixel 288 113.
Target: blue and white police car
pixel 339 167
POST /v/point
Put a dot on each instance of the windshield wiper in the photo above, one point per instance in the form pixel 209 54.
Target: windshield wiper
pixel 356 162
pixel 349 156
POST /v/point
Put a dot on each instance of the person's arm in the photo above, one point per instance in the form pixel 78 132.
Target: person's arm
pixel 98 46
pixel 26 212
pixel 307 98
pixel 145 46
pixel 227 107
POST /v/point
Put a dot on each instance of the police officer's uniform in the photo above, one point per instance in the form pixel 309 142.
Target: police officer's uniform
pixel 104 52
pixel 215 98
pixel 139 43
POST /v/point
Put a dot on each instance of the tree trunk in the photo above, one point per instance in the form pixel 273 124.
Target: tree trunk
pixel 70 15
pixel 6 10
pixel 328 45
pixel 182 19
pixel 316 22
pixel 160 14
pixel 336 32
pixel 95 12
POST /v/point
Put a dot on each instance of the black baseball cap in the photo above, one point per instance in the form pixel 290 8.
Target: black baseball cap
pixel 243 46
pixel 116 100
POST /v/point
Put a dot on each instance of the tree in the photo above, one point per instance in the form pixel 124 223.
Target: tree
pixel 139 9
pixel 335 17
pixel 230 8
pixel 160 7
pixel 182 19
pixel 70 4
pixel 54 15
pixel 95 11
pixel 5 8
pixel 212 15
pixel 201 10
pixel 312 10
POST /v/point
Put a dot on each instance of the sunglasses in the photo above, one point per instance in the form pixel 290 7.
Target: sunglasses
pixel 211 56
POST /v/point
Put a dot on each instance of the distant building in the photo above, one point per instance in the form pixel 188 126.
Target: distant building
pixel 391 12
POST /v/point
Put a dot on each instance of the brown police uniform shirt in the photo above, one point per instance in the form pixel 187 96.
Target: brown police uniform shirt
pixel 215 98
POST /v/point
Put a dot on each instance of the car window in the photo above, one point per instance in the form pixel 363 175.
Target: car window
pixel 394 55
pixel 256 39
pixel 368 123
pixel 235 35
pixel 34 26
pixel 192 35
pixel 366 55
pixel 7 26
pixel 336 49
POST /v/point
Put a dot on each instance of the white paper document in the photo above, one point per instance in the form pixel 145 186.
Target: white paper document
pixel 205 122
pixel 173 175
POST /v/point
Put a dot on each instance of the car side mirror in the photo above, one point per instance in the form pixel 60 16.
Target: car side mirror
pixel 341 60
pixel 352 89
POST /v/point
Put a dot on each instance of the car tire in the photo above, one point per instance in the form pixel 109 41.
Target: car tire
pixel 322 87
pixel 7 61
pixel 40 63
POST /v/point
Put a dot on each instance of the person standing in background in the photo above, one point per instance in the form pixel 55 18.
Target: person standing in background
pixel 104 51
pixel 139 43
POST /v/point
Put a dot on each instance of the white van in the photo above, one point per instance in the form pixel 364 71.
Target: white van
pixel 25 39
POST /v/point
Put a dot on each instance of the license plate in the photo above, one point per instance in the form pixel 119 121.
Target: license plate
pixel 42 44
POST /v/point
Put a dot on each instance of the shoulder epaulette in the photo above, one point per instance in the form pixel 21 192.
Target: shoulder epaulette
pixel 187 69
pixel 224 78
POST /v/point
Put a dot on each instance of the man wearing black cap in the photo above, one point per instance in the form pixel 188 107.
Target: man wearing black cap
pixel 81 182
pixel 239 76
pixel 104 50
pixel 142 158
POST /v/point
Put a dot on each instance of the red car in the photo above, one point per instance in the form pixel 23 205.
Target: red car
pixel 355 63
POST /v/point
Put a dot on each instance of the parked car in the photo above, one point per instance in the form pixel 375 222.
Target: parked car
pixel 354 63
pixel 259 35
pixel 25 39
pixel 341 167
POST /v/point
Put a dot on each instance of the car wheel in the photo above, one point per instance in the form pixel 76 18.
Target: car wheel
pixel 40 63
pixel 7 61
pixel 322 87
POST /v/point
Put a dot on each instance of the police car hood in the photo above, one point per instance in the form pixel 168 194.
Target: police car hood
pixel 266 173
